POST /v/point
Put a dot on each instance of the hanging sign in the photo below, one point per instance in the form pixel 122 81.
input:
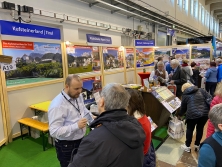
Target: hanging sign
pixel 29 30
pixel 139 42
pixel 98 39
pixel 170 32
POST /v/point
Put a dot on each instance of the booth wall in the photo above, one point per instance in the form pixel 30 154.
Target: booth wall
pixel 114 78
pixel 130 75
pixel 20 100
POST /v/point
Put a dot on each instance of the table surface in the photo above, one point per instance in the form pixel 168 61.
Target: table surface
pixel 43 106
pixel 142 73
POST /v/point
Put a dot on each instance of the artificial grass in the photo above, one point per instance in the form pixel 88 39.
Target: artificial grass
pixel 28 153
pixel 161 132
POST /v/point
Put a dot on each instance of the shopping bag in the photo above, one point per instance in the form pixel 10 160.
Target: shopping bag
pixel 176 128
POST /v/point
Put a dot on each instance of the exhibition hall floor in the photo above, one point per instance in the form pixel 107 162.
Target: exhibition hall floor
pixel 29 153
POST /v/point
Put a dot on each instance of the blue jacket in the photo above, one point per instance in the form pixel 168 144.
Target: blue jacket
pixel 168 68
pixel 211 75
pixel 219 75
pixel 207 157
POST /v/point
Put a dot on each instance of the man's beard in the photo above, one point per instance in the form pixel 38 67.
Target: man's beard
pixel 73 97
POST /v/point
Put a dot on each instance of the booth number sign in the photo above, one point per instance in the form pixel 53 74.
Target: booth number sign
pixel 8 67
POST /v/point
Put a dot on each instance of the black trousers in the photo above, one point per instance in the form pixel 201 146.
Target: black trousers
pixel 65 149
pixel 210 87
pixel 191 123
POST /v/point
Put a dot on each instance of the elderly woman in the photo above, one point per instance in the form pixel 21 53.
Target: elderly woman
pixel 178 77
pixel 159 74
pixel 194 105
pixel 187 69
pixel 210 152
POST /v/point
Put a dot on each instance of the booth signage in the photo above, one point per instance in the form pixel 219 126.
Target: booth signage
pixel 170 32
pixel 98 39
pixel 29 30
pixel 144 42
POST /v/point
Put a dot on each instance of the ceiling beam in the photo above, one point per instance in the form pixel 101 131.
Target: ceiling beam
pixel 92 4
pixel 218 16
pixel 218 11
pixel 215 6
pixel 208 2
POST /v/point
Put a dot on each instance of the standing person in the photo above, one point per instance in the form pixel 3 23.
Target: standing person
pixel 167 65
pixel 161 73
pixel 219 70
pixel 117 139
pixel 187 69
pixel 196 73
pixel 136 108
pixel 216 100
pixel 178 77
pixel 194 105
pixel 210 151
pixel 211 78
pixel 66 119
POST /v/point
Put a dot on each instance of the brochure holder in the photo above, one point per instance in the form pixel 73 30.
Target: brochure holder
pixel 5 59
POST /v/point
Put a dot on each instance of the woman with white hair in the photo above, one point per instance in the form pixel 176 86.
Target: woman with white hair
pixel 159 74
pixel 194 105
pixel 210 152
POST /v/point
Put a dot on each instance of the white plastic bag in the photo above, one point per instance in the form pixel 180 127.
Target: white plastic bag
pixel 176 128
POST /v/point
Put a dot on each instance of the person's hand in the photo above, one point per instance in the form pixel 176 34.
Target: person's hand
pixel 172 81
pixel 82 123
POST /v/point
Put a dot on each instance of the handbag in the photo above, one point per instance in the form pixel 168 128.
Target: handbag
pixel 176 128
pixel 191 80
pixel 207 96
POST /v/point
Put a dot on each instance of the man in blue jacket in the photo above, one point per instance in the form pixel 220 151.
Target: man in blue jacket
pixel 210 152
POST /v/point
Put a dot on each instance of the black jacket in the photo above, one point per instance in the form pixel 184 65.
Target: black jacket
pixel 179 78
pixel 116 141
pixel 195 76
pixel 193 103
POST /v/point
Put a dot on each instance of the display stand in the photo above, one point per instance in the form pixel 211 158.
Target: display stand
pixel 164 102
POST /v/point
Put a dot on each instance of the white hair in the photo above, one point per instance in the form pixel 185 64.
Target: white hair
pixel 175 61
pixel 115 97
pixel 215 115
pixel 160 63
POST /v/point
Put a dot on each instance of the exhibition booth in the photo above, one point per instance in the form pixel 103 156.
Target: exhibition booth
pixel 41 61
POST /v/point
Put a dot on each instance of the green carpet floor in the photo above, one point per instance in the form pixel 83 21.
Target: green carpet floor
pixel 27 153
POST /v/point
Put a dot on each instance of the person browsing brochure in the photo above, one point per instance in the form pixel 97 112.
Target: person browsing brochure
pixel 67 122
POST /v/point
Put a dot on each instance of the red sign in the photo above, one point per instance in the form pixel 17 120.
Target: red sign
pixel 18 45
pixel 148 49
pixel 129 50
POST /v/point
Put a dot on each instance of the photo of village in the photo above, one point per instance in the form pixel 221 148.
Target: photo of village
pixel 83 59
pixel 218 52
pixel 164 53
pixel 144 57
pixel 112 58
pixel 181 53
pixel 45 61
pixel 129 58
pixel 200 52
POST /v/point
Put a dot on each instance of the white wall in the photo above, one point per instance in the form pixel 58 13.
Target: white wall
pixel 20 100
pixel 130 75
pixel 114 78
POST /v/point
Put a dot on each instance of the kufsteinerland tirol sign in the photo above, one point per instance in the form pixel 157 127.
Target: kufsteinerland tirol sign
pixel 140 42
pixel 29 30
pixel 98 39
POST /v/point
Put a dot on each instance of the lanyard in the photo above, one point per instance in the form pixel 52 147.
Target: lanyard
pixel 72 104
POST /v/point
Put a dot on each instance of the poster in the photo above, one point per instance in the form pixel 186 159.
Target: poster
pixel 129 58
pixel 113 58
pixel 218 52
pixel 82 59
pixel 162 52
pixel 181 53
pixel 35 62
pixel 144 57
pixel 199 52
pixel 90 86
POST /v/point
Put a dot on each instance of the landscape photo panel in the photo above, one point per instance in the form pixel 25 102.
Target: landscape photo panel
pixel 162 52
pixel 129 58
pixel 35 62
pixel 199 52
pixel 144 57
pixel 83 59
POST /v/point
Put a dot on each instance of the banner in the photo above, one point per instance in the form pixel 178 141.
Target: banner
pixel 199 52
pixel 139 42
pixel 98 39
pixel 181 53
pixel 144 57
pixel 29 30
pixel 82 59
pixel 170 32
pixel 35 62
pixel 112 57
pixel 129 58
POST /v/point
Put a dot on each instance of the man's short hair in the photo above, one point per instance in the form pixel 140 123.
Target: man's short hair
pixel 115 97
pixel 175 61
pixel 71 77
